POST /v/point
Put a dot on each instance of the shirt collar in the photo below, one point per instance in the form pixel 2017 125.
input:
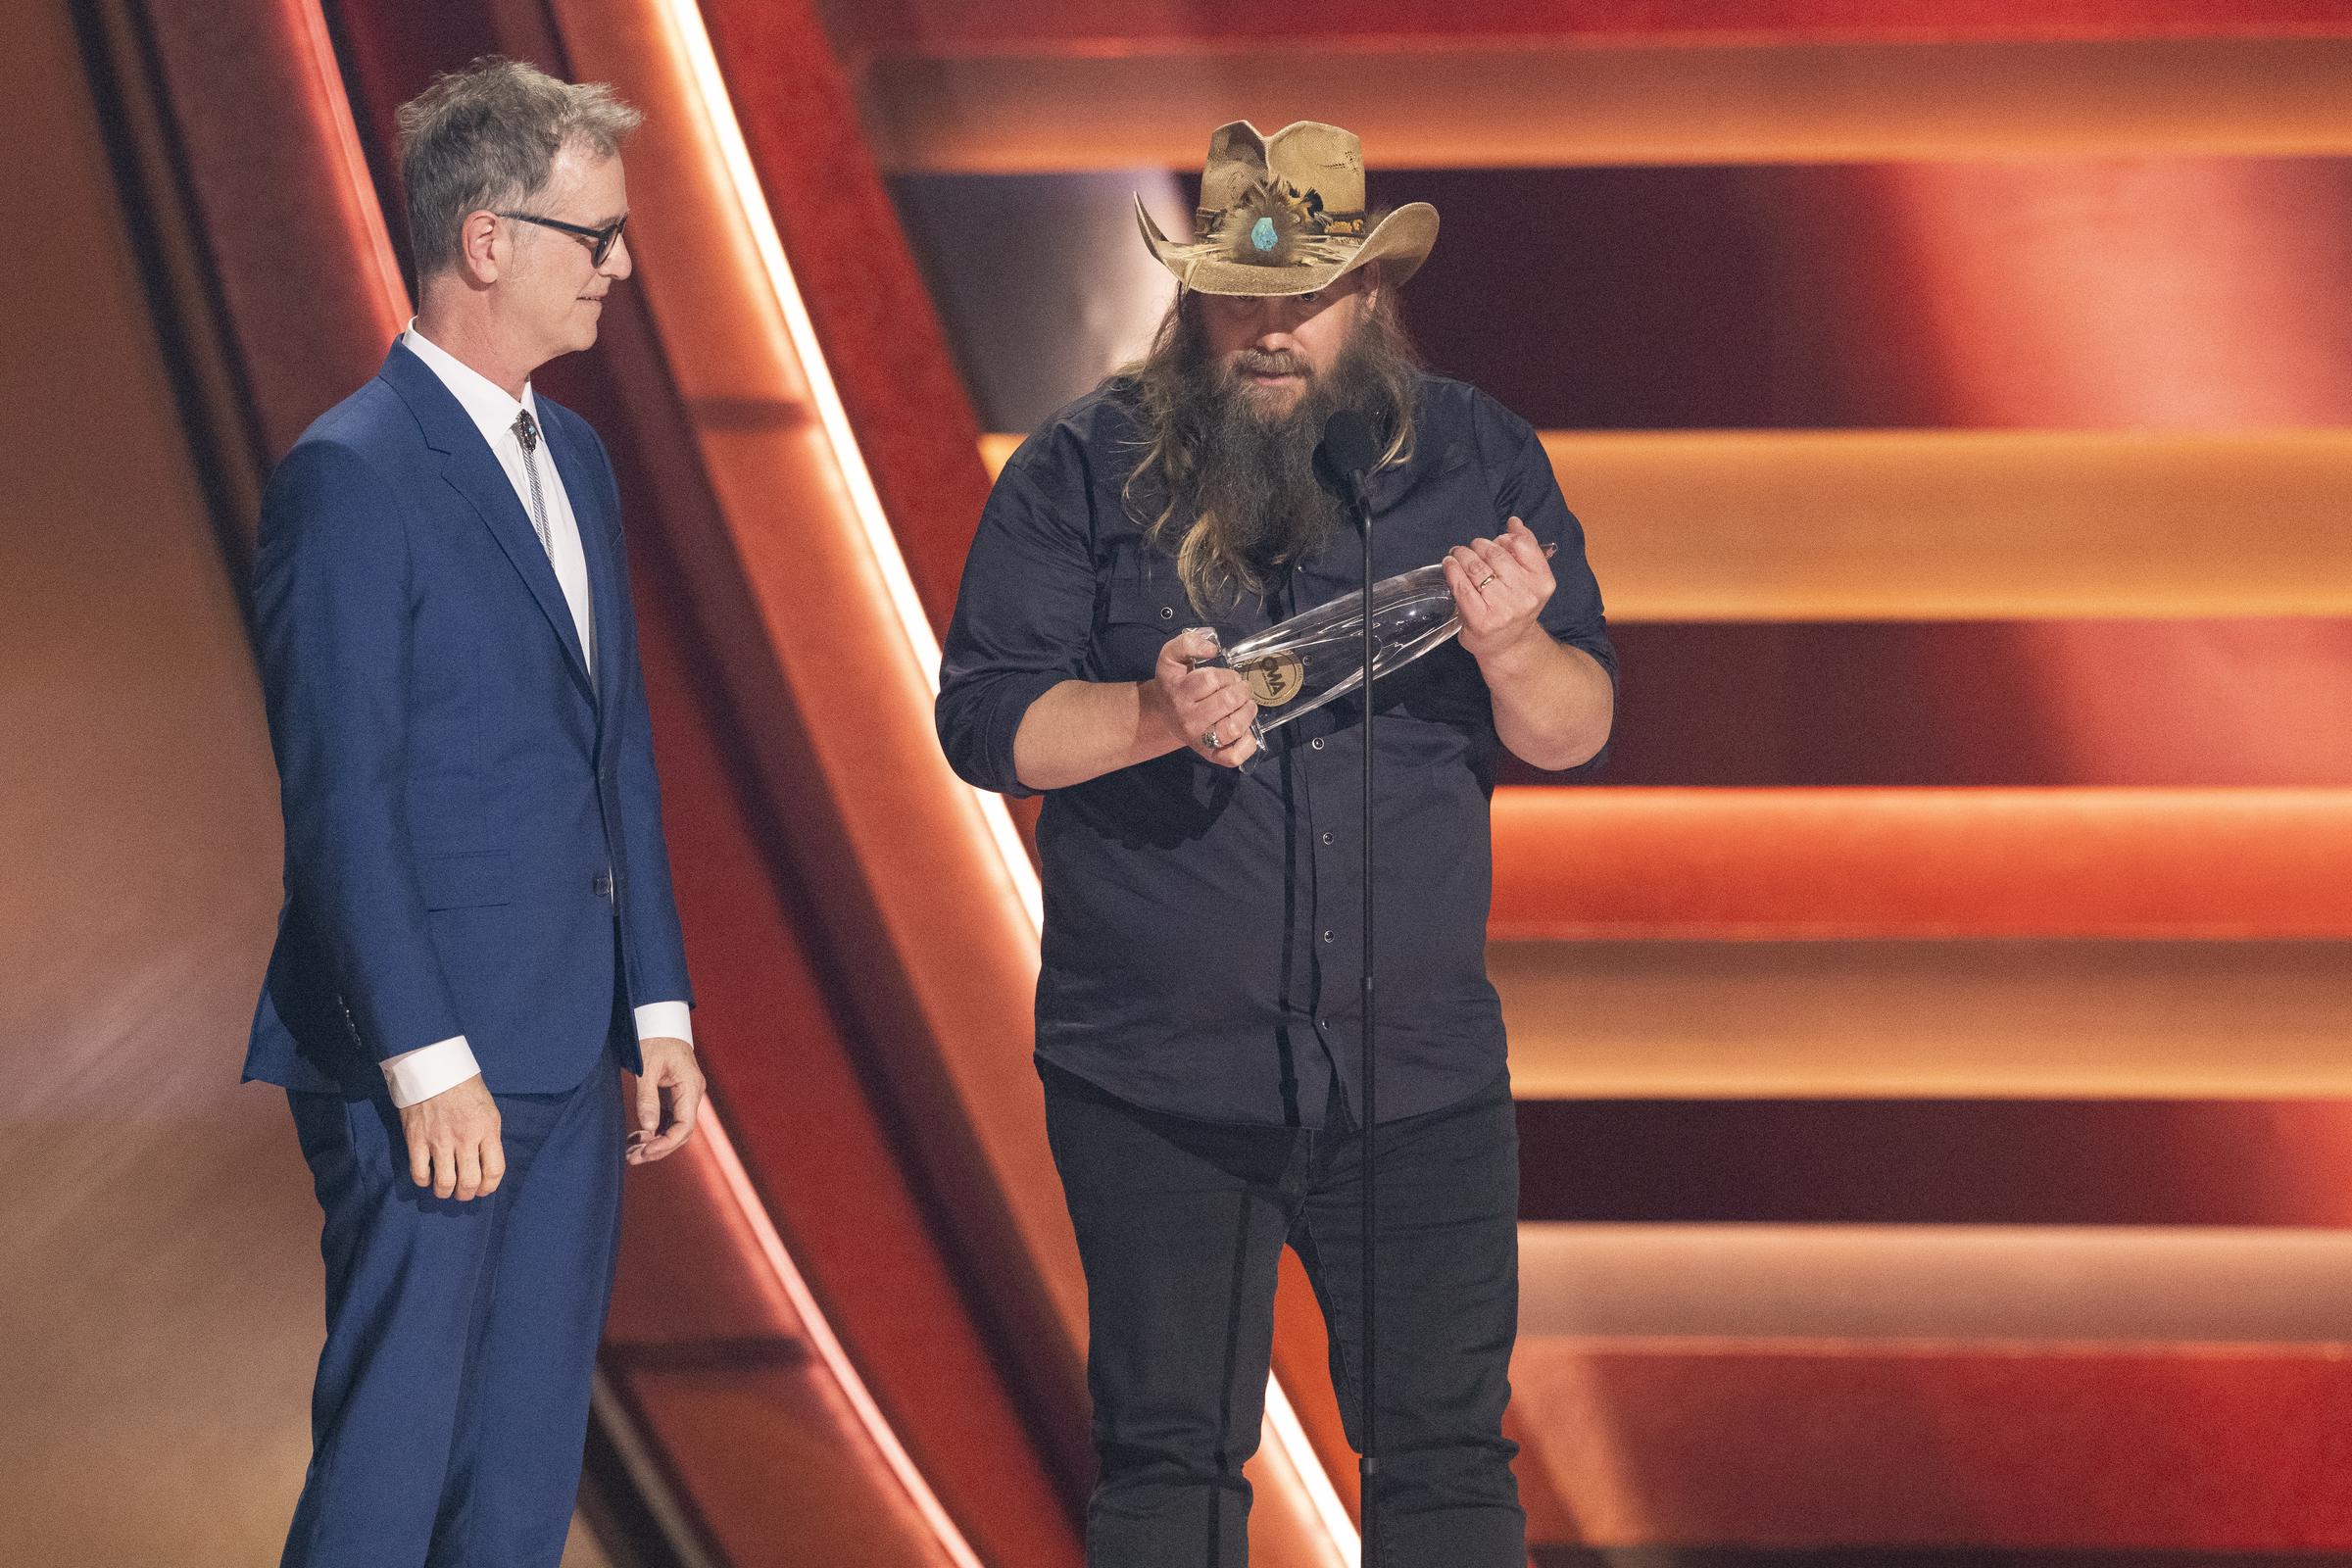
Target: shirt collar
pixel 484 400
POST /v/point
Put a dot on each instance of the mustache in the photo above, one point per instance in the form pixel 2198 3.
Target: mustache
pixel 1271 362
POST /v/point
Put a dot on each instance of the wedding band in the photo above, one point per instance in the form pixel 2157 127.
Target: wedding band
pixel 1488 579
pixel 1210 740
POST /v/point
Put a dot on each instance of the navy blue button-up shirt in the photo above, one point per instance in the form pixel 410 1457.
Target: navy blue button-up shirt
pixel 1202 935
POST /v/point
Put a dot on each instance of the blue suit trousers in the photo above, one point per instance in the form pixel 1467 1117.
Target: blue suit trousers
pixel 452 1401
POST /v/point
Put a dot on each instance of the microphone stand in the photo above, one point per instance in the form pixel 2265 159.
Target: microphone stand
pixel 1368 1472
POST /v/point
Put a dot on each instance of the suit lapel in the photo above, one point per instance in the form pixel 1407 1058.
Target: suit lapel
pixel 600 543
pixel 473 470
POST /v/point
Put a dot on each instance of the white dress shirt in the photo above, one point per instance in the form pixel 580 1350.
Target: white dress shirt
pixel 426 1071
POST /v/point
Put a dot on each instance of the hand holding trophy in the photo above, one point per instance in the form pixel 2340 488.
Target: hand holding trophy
pixel 1316 656
pixel 1206 706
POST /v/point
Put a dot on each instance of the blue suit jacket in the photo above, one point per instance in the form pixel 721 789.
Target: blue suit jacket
pixel 467 815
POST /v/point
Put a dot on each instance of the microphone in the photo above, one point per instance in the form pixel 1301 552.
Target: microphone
pixel 1349 452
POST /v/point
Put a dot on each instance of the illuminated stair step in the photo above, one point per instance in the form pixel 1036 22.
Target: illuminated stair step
pixel 1550 105
pixel 2050 1284
pixel 2139 1450
pixel 1963 524
pixel 1094 27
pixel 1920 864
pixel 1828 1019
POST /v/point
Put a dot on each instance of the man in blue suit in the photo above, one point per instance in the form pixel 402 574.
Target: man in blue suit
pixel 478 932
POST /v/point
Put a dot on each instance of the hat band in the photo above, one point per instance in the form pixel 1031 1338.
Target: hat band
pixel 1324 225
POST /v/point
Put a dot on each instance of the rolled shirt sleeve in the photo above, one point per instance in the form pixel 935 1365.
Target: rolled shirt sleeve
pixel 1529 490
pixel 1024 615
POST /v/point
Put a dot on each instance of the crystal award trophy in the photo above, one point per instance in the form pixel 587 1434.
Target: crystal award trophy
pixel 1318 656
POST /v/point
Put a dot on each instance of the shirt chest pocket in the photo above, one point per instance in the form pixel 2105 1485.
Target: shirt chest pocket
pixel 1142 608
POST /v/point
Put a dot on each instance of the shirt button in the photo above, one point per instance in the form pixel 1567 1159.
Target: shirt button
pixel 1167 611
pixel 1316 743
pixel 1327 838
pixel 1329 936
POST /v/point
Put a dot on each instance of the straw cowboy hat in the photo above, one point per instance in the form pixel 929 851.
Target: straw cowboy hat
pixel 1285 215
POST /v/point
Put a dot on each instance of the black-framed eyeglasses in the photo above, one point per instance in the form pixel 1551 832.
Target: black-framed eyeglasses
pixel 600 240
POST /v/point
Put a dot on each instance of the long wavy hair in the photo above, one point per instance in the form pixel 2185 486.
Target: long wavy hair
pixel 1181 389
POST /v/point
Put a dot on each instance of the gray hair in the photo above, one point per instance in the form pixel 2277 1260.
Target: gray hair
pixel 486 137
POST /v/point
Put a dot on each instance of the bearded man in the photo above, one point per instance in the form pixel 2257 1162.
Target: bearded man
pixel 1199 1004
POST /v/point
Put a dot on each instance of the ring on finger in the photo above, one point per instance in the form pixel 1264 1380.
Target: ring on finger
pixel 1210 740
pixel 1488 579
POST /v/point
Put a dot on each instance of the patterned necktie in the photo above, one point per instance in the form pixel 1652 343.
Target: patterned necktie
pixel 526 431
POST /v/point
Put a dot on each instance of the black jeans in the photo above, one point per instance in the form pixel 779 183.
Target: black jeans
pixel 1180 1225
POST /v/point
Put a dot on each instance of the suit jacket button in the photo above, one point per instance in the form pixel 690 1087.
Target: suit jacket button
pixel 602 887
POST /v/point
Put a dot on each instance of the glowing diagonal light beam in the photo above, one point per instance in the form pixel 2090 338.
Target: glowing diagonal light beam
pixel 692 41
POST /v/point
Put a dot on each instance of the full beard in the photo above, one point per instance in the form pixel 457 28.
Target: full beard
pixel 1251 478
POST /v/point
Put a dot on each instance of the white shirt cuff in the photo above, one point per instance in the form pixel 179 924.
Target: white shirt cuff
pixel 665 1020
pixel 426 1071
